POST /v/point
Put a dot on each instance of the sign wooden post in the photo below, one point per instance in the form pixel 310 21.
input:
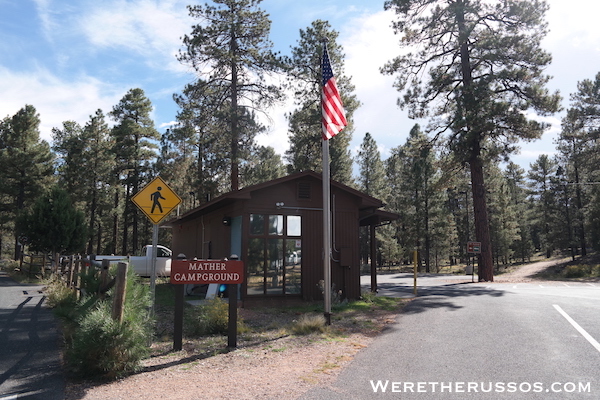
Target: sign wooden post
pixel 198 272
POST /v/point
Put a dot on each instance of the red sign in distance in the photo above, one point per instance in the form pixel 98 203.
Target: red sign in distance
pixel 474 247
pixel 207 271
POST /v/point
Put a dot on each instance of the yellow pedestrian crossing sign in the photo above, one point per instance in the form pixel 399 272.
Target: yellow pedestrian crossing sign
pixel 156 200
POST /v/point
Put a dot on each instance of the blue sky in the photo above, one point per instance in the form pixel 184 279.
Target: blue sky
pixel 68 58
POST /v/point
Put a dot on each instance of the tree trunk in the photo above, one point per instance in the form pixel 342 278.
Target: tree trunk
pixel 234 116
pixel 582 241
pixel 482 228
pixel 115 230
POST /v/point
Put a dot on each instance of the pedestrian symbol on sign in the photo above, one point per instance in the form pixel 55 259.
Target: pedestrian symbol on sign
pixel 155 197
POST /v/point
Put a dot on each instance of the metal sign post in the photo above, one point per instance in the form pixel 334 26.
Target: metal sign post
pixel 415 258
pixel 156 200
pixel 153 267
pixel 473 248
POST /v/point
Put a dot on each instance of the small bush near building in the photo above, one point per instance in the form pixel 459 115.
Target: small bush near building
pixel 97 346
pixel 309 323
pixel 210 318
pixel 103 347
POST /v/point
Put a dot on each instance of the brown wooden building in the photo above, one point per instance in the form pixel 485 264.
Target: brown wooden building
pixel 276 228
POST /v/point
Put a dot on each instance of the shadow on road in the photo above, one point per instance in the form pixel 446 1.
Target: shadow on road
pixel 30 365
pixel 435 296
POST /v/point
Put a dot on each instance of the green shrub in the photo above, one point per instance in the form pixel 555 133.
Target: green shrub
pixel 212 317
pixel 9 266
pixel 368 296
pixel 97 345
pixel 59 295
pixel 309 323
pixel 103 347
pixel 577 271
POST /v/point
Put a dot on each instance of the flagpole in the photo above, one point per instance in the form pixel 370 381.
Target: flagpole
pixel 326 233
pixel 333 121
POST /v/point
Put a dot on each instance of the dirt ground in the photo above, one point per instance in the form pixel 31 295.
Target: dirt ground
pixel 275 365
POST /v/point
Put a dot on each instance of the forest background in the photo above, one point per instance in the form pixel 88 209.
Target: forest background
pixel 552 206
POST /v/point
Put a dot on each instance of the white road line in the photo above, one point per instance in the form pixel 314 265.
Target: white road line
pixel 591 284
pixel 586 335
pixel 566 285
pixel 12 397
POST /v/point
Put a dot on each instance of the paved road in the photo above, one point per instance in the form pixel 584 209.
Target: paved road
pixel 535 340
pixel 30 366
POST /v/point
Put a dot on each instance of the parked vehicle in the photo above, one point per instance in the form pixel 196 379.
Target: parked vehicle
pixel 142 263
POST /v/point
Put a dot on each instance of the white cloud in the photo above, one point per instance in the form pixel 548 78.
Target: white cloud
pixel 369 42
pixel 149 28
pixel 570 23
pixel 55 100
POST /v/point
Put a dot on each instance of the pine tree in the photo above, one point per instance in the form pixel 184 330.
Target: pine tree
pixel 578 148
pixel 263 165
pixel 305 121
pixel 485 71
pixel 417 194
pixel 26 166
pixel 134 147
pixel 85 165
pixel 54 224
pixel 196 152
pixel 516 185
pixel 504 228
pixel 540 176
pixel 372 181
pixel 231 51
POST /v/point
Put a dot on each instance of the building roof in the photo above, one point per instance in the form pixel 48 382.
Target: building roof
pixel 368 206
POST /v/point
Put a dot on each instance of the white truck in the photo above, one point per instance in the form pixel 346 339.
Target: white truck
pixel 142 263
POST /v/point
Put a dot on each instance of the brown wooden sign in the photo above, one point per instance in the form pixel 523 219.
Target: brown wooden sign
pixel 207 271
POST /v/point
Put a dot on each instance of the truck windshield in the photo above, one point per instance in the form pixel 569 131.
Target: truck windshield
pixel 160 252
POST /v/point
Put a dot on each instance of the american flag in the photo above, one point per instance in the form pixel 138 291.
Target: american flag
pixel 334 118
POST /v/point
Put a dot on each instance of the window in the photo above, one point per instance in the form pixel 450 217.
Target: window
pixel 257 224
pixel 294 225
pixel 274 255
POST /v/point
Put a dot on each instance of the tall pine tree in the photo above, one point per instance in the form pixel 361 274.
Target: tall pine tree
pixel 485 72
pixel 305 121
pixel 26 166
pixel 231 52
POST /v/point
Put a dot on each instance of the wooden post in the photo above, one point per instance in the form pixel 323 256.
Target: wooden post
pixel 75 281
pixel 178 318
pixel 120 286
pixel 104 278
pixel 43 266
pixel 84 267
pixel 70 280
pixel 232 293
pixel 373 249
pixel 62 268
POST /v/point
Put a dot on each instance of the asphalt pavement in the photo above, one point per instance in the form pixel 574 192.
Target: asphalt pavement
pixel 463 340
pixel 30 364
